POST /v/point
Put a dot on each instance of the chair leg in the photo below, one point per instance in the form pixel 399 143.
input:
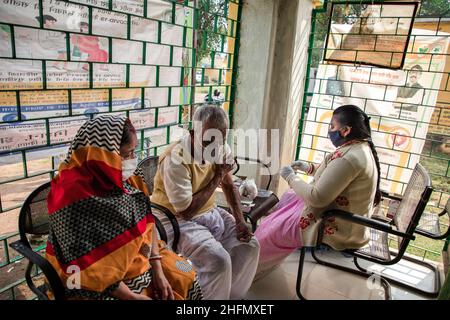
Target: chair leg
pixel 254 226
pixel 356 263
pixel 362 272
pixel 41 295
pixel 300 274
pixel 437 281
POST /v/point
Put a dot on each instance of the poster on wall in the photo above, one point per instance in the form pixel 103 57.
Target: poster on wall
pixel 158 137
pixel 22 135
pixel 125 51
pixel 90 101
pixel 5 41
pixel 167 116
pixel 65 129
pixel 400 103
pixel 160 10
pixel 143 119
pixel 95 3
pixel 142 76
pixel 41 44
pixel 74 75
pixel 89 48
pixel 109 23
pixel 64 16
pixel 20 74
pixel 109 75
pixel 65 34
pixel 34 105
pixel 8 106
pixel 22 12
pixel 144 29
pixel 128 99
pixel 129 6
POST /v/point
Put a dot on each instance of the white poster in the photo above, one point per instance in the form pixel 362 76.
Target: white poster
pixel 22 12
pixel 62 19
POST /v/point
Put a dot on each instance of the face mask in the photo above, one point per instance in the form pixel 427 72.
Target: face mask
pixel 336 138
pixel 128 168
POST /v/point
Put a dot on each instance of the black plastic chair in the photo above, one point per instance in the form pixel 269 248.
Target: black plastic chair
pixel 34 221
pixel 403 226
pixel 149 167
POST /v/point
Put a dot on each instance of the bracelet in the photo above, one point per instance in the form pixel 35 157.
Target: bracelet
pixel 158 257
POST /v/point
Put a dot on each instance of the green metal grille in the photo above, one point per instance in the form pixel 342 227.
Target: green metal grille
pixel 434 16
pixel 189 50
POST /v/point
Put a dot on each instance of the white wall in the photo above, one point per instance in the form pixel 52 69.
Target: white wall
pixel 272 69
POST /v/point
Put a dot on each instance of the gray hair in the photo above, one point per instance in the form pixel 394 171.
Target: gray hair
pixel 212 115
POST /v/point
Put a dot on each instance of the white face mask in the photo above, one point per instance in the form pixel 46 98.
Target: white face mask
pixel 128 168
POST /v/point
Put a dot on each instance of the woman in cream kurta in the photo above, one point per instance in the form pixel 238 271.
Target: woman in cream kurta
pixel 347 179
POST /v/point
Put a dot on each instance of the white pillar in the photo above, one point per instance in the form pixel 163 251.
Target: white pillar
pixel 272 68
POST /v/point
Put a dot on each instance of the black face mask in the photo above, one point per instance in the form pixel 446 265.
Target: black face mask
pixel 336 138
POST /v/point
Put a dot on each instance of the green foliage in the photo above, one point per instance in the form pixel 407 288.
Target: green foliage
pixel 212 28
pixel 435 8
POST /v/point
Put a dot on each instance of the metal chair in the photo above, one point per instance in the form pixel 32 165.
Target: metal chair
pixel 403 226
pixel 149 167
pixel 263 205
pixel 34 220
pixel 430 224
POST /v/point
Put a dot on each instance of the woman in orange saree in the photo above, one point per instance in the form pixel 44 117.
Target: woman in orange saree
pixel 102 239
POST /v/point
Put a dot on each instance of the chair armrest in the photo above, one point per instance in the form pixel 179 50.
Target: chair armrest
pixel 447 233
pixel 434 236
pixel 256 161
pixel 48 270
pixel 173 221
pixel 160 228
pixel 257 213
pixel 368 222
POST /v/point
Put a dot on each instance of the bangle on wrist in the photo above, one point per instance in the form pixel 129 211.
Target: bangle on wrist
pixel 158 257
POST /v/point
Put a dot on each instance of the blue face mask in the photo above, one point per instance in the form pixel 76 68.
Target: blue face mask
pixel 336 138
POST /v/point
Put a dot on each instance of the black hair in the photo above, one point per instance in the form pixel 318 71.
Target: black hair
pixel 128 131
pixel 416 67
pixel 352 116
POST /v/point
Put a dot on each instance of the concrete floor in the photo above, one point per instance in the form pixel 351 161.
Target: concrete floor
pixel 324 283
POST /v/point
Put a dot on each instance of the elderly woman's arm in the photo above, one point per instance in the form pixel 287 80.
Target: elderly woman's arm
pixel 334 179
pixel 161 286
